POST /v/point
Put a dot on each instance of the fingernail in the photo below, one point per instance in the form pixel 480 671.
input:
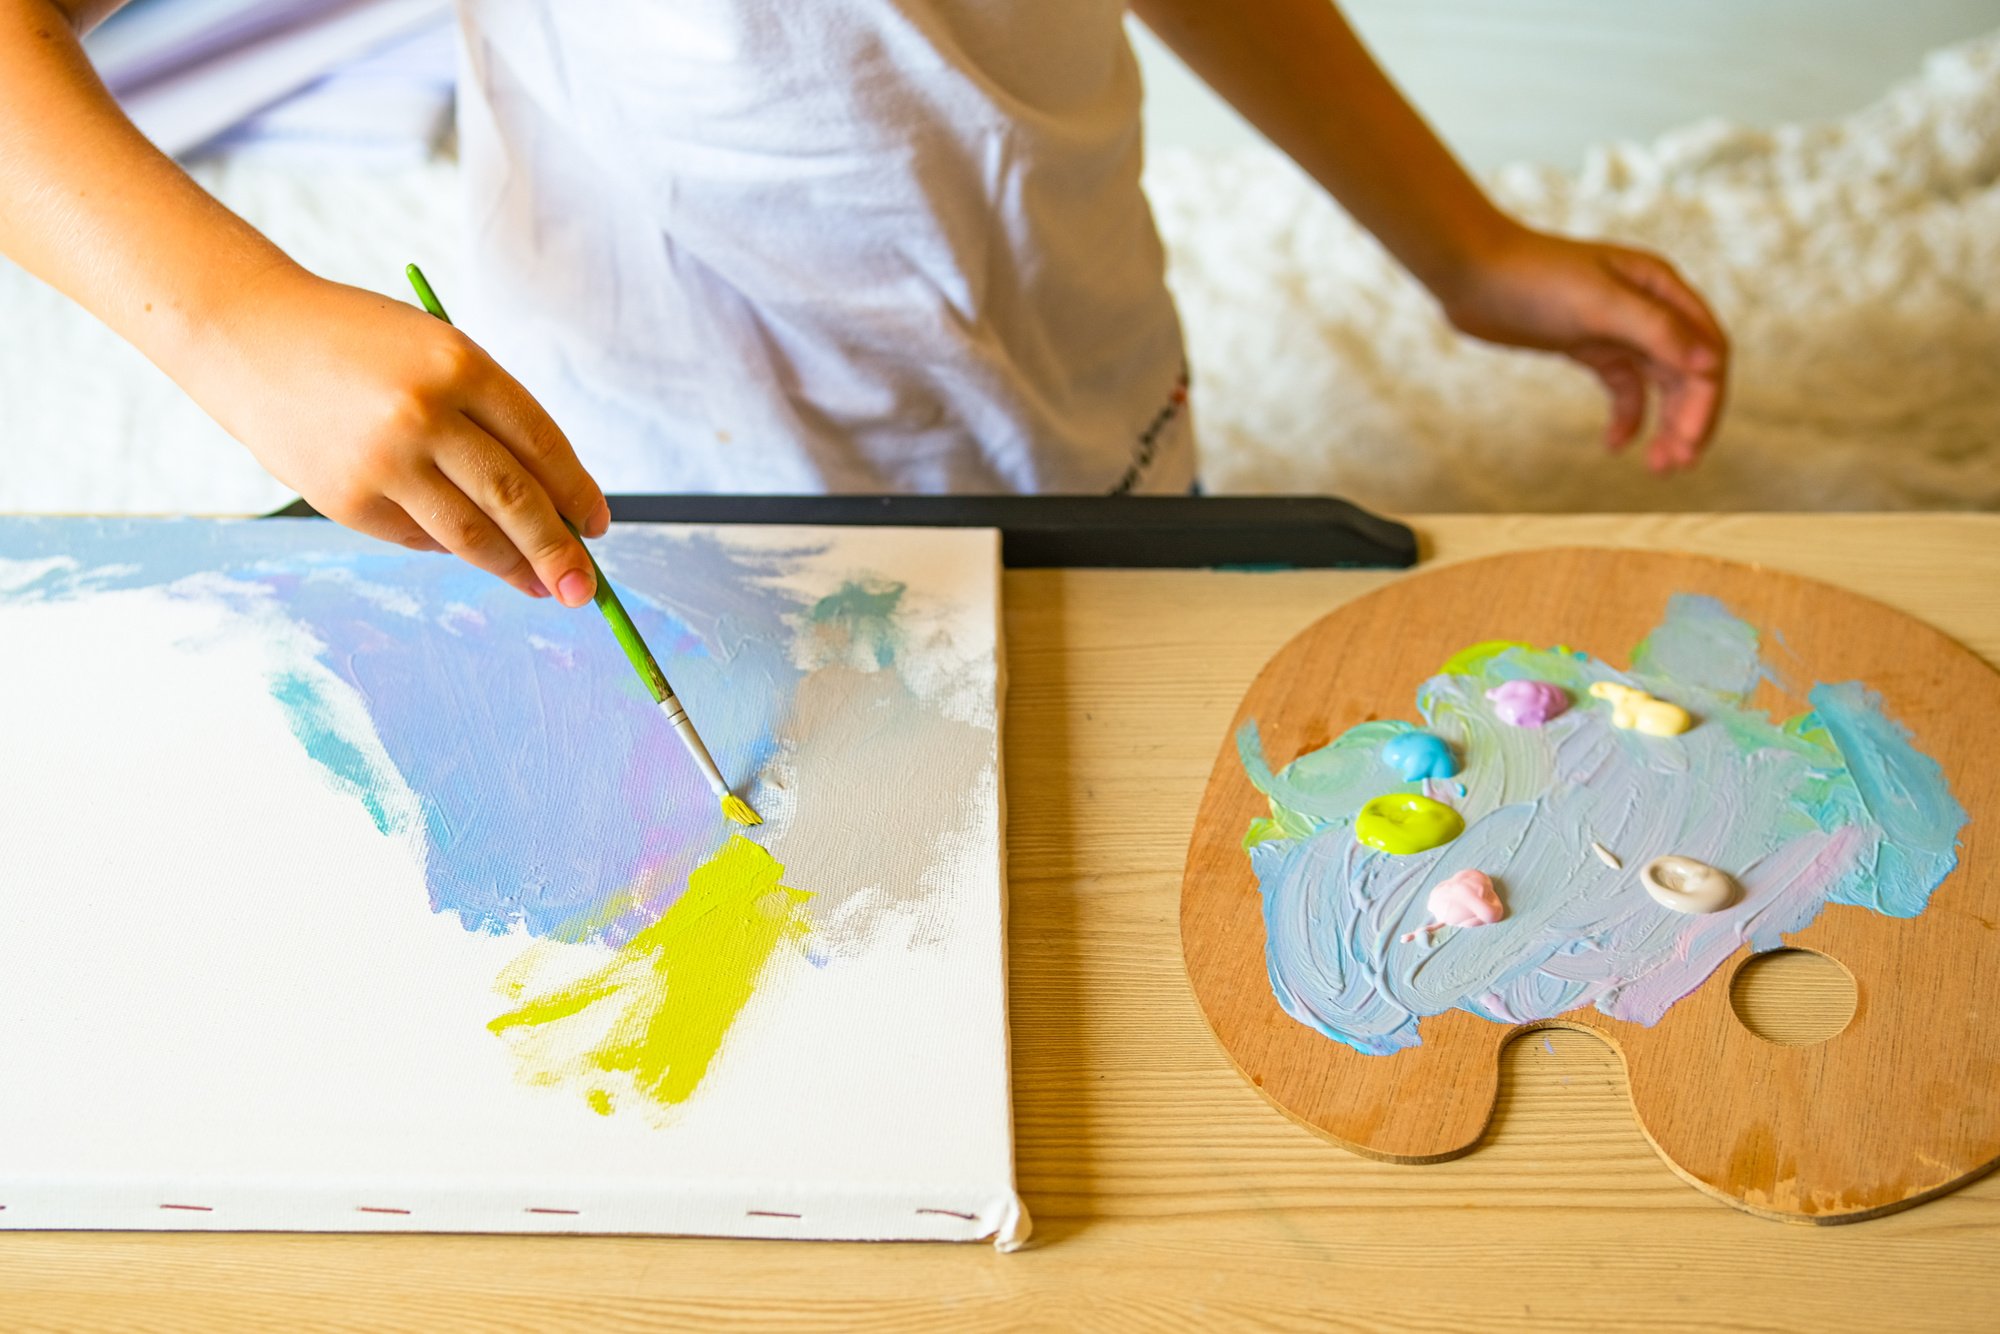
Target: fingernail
pixel 537 589
pixel 574 588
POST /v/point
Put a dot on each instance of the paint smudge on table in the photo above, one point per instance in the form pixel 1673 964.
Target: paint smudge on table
pixel 1835 805
pixel 509 742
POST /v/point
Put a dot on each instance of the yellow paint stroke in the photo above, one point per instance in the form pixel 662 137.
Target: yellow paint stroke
pixel 659 1010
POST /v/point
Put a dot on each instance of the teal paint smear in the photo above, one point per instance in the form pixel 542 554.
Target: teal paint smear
pixel 866 614
pixel 315 724
pixel 1832 806
pixel 1320 787
pixel 1902 790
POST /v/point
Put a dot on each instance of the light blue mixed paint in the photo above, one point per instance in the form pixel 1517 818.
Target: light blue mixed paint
pixel 1833 806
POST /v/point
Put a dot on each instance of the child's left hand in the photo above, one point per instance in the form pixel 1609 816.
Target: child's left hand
pixel 1624 314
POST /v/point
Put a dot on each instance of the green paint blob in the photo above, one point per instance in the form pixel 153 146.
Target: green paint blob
pixel 1472 659
pixel 1403 823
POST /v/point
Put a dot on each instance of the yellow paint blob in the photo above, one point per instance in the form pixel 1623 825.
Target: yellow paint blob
pixel 1403 823
pixel 659 1010
pixel 1637 711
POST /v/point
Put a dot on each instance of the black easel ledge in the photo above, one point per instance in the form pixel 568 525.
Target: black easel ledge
pixel 1079 532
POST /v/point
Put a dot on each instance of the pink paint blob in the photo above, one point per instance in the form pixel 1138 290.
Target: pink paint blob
pixel 1527 703
pixel 1465 899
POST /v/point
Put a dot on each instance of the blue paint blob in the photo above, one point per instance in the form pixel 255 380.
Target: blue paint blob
pixel 1420 755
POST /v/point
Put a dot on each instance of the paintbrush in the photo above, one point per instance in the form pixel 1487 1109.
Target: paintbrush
pixel 630 640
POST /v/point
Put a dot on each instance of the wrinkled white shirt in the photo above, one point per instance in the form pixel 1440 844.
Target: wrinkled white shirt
pixel 824 245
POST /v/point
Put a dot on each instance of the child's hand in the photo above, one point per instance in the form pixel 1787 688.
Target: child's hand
pixel 1625 314
pixel 397 425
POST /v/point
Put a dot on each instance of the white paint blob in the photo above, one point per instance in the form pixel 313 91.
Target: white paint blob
pixel 1686 885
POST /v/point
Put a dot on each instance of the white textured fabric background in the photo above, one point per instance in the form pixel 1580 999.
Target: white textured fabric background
pixel 1856 260
pixel 1856 263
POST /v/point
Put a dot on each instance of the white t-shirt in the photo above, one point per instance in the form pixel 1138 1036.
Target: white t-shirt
pixel 824 245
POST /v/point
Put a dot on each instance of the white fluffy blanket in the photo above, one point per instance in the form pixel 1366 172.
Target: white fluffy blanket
pixel 1857 264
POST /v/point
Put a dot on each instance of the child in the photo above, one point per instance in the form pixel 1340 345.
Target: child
pixel 759 245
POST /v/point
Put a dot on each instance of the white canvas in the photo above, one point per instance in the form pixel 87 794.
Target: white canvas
pixel 292 822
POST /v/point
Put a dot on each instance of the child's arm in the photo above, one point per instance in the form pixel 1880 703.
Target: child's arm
pixel 385 419
pixel 1297 71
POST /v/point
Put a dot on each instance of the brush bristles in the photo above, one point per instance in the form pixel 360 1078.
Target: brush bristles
pixel 739 810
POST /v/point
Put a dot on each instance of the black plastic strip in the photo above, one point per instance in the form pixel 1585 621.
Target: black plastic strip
pixel 1081 532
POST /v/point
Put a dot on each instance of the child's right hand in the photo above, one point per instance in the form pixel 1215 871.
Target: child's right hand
pixel 397 425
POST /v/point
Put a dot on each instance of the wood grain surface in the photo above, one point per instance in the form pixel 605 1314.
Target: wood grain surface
pixel 1814 1133
pixel 1167 1194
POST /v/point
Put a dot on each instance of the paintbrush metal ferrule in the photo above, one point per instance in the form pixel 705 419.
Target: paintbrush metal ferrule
pixel 733 806
pixel 684 728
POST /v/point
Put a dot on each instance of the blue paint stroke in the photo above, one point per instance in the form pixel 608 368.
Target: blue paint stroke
pixel 554 797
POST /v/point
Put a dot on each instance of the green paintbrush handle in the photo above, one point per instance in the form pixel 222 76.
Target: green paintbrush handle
pixel 424 292
pixel 621 625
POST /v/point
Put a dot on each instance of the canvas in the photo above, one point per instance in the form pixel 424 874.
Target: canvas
pixel 345 888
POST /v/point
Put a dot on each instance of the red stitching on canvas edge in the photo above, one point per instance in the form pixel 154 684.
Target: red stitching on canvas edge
pixel 570 1212
pixel 196 1208
pixel 951 1213
pixel 770 1213
pixel 377 1209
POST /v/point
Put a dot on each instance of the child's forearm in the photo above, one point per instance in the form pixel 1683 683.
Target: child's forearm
pixel 1296 71
pixel 92 208
pixel 389 421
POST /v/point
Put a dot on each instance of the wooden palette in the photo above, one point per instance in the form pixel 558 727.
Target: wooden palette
pixel 1901 1105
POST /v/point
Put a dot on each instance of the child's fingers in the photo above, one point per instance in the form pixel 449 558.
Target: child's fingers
pixel 382 518
pixel 463 528
pixel 1690 407
pixel 510 414
pixel 1655 330
pixel 1657 277
pixel 1625 383
pixel 1684 364
pixel 493 478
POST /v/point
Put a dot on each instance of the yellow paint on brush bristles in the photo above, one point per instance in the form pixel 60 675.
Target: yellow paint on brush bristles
pixel 739 810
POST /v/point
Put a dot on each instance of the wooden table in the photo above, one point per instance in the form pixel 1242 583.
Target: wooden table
pixel 1166 1192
